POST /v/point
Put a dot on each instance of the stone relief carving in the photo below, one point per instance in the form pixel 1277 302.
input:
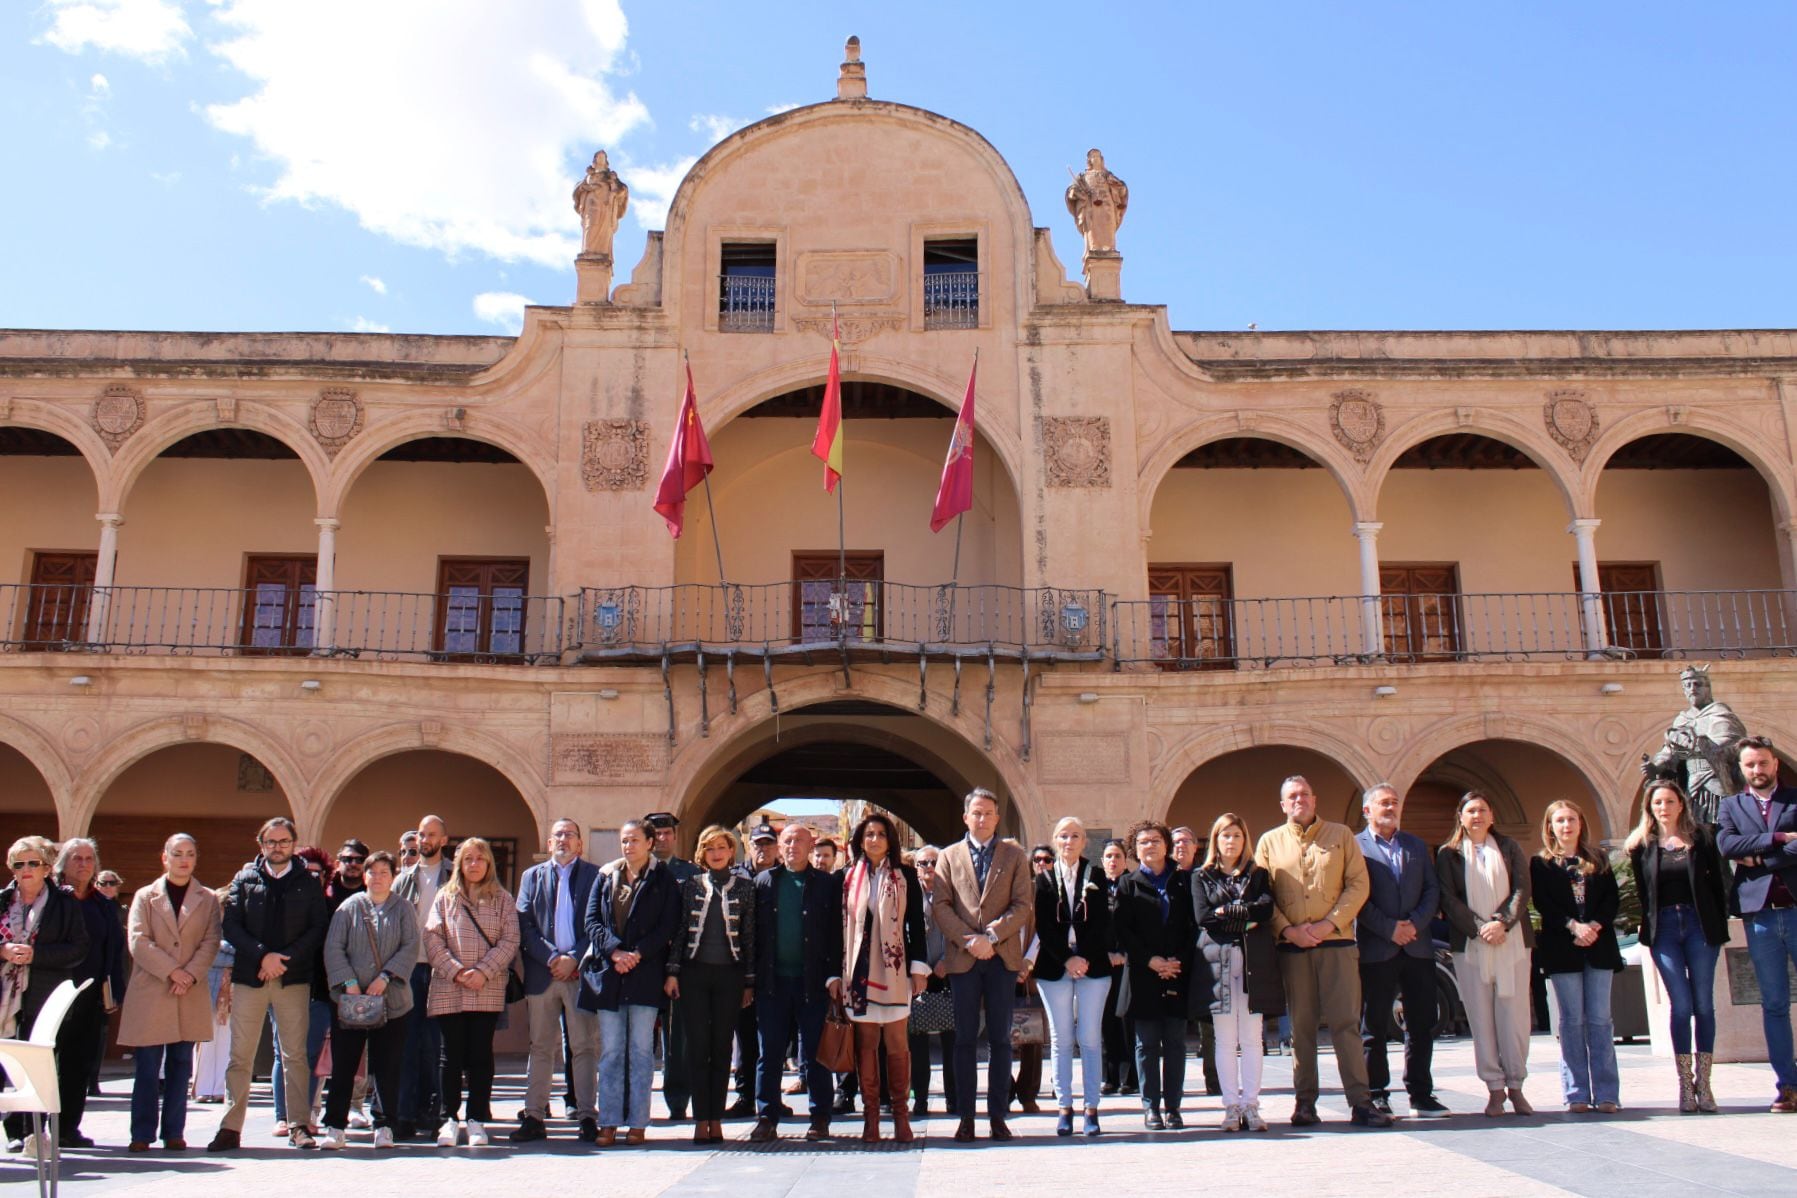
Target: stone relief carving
pixel 612 757
pixel 848 277
pixel 1077 450
pixel 851 329
pixel 614 454
pixel 336 418
pixel 227 409
pixel 117 414
pixel 253 777
pixel 1571 421
pixel 1358 421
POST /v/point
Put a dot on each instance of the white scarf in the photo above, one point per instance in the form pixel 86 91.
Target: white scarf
pixel 1487 886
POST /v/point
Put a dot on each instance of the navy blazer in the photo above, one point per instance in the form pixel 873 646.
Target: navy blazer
pixel 1740 833
pixel 648 927
pixel 1416 896
pixel 821 921
pixel 536 917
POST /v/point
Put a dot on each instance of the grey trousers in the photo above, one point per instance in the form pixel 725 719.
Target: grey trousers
pixel 546 1011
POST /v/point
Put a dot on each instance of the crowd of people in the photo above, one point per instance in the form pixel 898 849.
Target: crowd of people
pixel 401 967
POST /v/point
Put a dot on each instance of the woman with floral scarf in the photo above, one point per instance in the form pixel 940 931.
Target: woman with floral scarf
pixel 883 966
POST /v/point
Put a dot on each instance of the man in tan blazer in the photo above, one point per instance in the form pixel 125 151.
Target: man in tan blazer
pixel 984 898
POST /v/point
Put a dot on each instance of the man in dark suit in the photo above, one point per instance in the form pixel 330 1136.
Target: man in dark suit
pixel 1757 829
pixel 798 955
pixel 552 902
pixel 1397 952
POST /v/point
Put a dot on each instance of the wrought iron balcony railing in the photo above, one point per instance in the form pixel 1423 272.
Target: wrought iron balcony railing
pixel 1213 633
pixel 951 300
pixel 746 304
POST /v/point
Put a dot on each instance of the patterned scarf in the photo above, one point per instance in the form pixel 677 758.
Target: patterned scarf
pixel 877 972
pixel 18 925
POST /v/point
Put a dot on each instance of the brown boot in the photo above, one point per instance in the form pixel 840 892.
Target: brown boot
pixel 898 1079
pixel 867 1069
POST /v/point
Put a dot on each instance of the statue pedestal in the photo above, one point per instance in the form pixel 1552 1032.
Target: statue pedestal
pixel 592 275
pixel 1104 276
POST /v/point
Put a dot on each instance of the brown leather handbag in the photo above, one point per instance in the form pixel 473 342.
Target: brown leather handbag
pixel 836 1046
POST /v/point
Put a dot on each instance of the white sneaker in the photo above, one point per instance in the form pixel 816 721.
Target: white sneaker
pixel 477 1134
pixel 1231 1120
pixel 383 1137
pixel 358 1121
pixel 446 1135
pixel 334 1138
pixel 1251 1117
pixel 28 1148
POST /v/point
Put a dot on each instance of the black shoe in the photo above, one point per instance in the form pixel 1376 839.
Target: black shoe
pixel 1128 1089
pixel 1382 1105
pixel 1369 1116
pixel 1151 1119
pixel 742 1108
pixel 785 1111
pixel 1174 1121
pixel 999 1130
pixel 403 1131
pixel 1427 1107
pixel 1063 1126
pixel 844 1105
pixel 920 1109
pixel 1091 1125
pixel 531 1128
pixel 1305 1115
pixel 766 1131
pixel 964 1133
pixel 819 1130
pixel 1108 1089
pixel 74 1139
pixel 677 1114
pixel 225 1141
pixel 589 1131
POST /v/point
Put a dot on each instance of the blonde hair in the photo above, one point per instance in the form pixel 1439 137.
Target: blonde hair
pixel 1648 831
pixel 1229 819
pixel 1068 821
pixel 43 846
pixel 487 887
pixel 716 832
pixel 1592 859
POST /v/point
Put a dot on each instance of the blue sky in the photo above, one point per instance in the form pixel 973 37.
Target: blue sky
pixel 406 164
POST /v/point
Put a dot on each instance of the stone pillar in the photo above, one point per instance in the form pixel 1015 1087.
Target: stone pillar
pixel 1596 637
pixel 592 279
pixel 1104 276
pixel 325 587
pixel 1372 622
pixel 105 565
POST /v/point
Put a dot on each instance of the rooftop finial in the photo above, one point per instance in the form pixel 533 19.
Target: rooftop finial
pixel 851 84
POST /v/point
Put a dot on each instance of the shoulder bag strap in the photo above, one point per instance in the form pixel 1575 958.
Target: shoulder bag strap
pixel 380 966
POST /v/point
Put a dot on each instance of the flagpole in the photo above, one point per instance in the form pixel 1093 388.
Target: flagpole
pixel 842 552
pixel 717 543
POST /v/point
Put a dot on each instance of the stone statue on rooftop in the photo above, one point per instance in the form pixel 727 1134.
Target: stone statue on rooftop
pixel 1097 199
pixel 600 199
pixel 1699 752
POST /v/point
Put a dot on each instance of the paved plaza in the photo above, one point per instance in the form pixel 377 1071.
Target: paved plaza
pixel 1647 1151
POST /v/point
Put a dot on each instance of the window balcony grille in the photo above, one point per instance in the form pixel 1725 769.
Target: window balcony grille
pixel 951 299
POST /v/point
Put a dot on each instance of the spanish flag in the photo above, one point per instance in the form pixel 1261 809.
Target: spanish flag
pixel 827 445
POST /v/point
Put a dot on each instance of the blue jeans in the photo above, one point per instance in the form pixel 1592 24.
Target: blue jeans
pixel 1587 1036
pixel 991 985
pixel 1687 966
pixel 626 1065
pixel 419 1064
pixel 1075 1011
pixel 1771 942
pixel 318 1022
pixel 1161 1060
pixel 780 1007
pixel 156 1093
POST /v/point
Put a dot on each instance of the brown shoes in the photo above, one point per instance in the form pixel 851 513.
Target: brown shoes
pixel 636 1135
pixel 607 1137
pixel 1786 1102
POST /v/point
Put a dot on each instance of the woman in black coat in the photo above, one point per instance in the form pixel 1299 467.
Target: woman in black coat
pixel 1577 897
pixel 43 943
pixel 1073 968
pixel 1683 883
pixel 1235 974
pixel 1152 923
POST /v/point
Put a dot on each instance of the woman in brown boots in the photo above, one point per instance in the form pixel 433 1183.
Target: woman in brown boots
pixel 883 966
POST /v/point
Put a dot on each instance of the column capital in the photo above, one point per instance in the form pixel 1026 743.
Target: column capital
pixel 1585 525
pixel 1368 528
pixel 328 523
pixel 110 519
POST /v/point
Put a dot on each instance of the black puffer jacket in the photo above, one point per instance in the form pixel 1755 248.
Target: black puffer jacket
pixel 1234 913
pixel 265 914
pixel 57 949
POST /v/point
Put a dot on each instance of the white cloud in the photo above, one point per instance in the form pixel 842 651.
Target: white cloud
pixel 375 284
pixel 777 109
pixel 714 125
pixel 150 30
pixel 503 308
pixel 652 189
pixel 455 125
pixel 99 139
pixel 99 85
pixel 166 178
pixel 93 111
pixel 364 325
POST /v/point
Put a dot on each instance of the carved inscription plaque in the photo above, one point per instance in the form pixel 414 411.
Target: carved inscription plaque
pixel 1084 758
pixel 621 757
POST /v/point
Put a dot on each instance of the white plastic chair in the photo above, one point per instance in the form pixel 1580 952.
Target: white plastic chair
pixel 31 1088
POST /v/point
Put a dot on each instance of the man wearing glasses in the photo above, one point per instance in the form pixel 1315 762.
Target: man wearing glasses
pixel 275 918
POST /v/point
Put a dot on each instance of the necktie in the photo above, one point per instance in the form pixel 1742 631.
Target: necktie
pixel 982 861
pixel 564 913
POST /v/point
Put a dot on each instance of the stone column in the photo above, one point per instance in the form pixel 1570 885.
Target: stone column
pixel 105 565
pixel 324 615
pixel 1372 623
pixel 1590 593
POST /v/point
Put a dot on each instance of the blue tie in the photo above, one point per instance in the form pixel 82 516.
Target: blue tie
pixel 982 861
pixel 564 911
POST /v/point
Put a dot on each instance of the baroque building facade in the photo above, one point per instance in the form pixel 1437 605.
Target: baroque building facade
pixel 355 577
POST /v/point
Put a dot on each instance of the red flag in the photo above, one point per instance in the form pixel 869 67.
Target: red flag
pixel 689 461
pixel 955 495
pixel 827 444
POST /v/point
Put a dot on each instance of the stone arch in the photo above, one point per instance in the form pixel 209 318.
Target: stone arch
pixel 159 433
pixel 1777 474
pixel 1441 739
pixel 1533 443
pixel 1204 747
pixel 77 432
pixel 34 746
pixel 348 760
pixel 1347 475
pixel 390 433
pixel 132 746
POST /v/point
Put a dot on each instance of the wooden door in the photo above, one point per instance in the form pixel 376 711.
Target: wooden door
pixel 280 603
pixel 1421 608
pixel 852 583
pixel 56 611
pixel 1633 616
pixel 1189 612
pixel 481 606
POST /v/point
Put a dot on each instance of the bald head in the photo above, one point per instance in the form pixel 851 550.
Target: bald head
pixel 795 846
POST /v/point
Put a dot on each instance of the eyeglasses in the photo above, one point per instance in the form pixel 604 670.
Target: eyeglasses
pixel 25 865
pixel 408 852
pixel 1043 860
pixel 348 860
pixel 283 843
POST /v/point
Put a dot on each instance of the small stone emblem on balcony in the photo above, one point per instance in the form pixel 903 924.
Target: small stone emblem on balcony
pixel 1572 421
pixel 614 455
pixel 1077 450
pixel 118 413
pixel 1358 422
pixel 336 418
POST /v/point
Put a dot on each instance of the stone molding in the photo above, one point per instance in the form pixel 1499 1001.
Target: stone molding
pixel 336 417
pixel 1358 421
pixel 852 330
pixel 614 455
pixel 1077 450
pixel 1571 421
pixel 117 414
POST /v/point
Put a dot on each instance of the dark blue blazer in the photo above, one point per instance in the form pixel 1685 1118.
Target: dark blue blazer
pixel 1415 896
pixel 822 929
pixel 647 928
pixel 1740 832
pixel 536 917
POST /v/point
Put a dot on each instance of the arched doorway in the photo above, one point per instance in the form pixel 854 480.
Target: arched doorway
pixel 391 794
pixel 27 806
pixel 1521 779
pixel 1247 782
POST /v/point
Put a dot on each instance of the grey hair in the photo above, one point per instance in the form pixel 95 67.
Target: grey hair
pixel 1293 778
pixel 68 850
pixel 978 792
pixel 1376 789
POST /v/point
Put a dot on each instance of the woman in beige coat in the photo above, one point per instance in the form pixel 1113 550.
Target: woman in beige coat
pixel 173 937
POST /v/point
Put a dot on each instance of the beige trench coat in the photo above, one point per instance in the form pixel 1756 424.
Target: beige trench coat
pixel 159 945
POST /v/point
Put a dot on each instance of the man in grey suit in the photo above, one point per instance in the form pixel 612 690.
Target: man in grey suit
pixel 552 903
pixel 1397 951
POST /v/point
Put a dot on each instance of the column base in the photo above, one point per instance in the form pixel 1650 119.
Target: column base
pixel 592 279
